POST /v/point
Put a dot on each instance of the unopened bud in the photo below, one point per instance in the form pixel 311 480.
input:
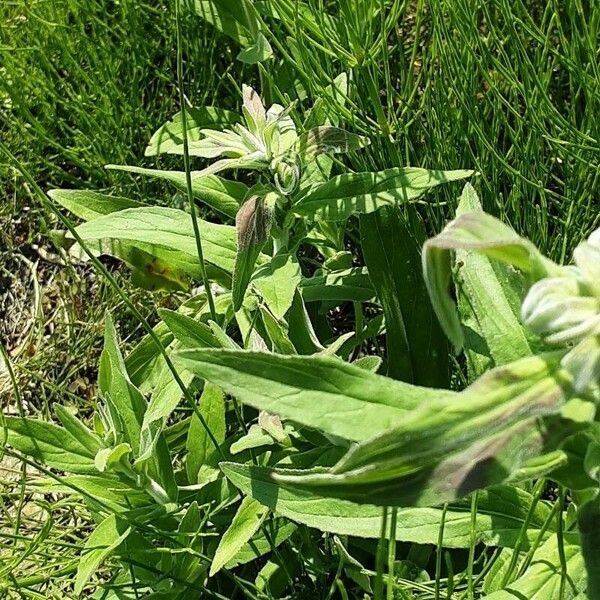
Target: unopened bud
pixel 286 174
pixel 561 310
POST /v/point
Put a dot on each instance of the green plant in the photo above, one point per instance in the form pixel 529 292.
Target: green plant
pixel 184 497
pixel 378 441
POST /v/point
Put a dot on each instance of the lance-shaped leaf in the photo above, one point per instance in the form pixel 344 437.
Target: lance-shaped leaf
pixel 244 525
pixel 451 447
pixel 145 361
pixel 169 138
pixel 126 407
pixel 391 240
pixel 328 140
pixel 89 205
pixel 253 224
pixel 254 111
pixel 51 445
pixel 489 299
pixel 164 400
pixel 279 530
pixel 324 112
pixel 188 331
pixel 202 457
pixel 277 281
pixel 483 233
pixel 165 234
pixel 501 512
pixel 99 492
pixel 351 193
pixel 187 566
pixel 276 330
pixel 542 579
pixel 101 543
pixel 352 285
pixel 125 402
pixel 220 194
pixel 318 391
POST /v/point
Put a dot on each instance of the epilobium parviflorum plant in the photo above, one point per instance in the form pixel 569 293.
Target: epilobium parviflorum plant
pixel 247 444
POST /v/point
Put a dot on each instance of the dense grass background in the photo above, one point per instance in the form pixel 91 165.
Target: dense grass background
pixel 507 87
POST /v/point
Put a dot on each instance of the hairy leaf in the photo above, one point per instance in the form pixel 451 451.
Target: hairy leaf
pixel 125 402
pixel 330 140
pixel 164 233
pixel 320 392
pixel 502 511
pixel 244 525
pixel 101 543
pixel 189 332
pixel 169 138
pixel 279 530
pixel 89 205
pixel 351 193
pixel 277 281
pixel 542 579
pixel 222 195
pixel 201 450
pixel 52 445
pixel 488 303
pixel 483 233
pixel 452 447
pixel 352 285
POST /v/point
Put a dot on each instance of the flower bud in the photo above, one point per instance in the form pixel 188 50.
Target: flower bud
pixel 583 362
pixel 587 259
pixel 286 173
pixel 560 309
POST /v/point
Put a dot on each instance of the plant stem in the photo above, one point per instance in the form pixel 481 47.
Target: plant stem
pixel 438 553
pixel 391 554
pixel 470 590
pixel 560 540
pixel 537 494
pixel 186 162
pixel 380 559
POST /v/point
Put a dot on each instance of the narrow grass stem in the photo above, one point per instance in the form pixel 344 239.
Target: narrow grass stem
pixel 380 558
pixel 537 494
pixel 186 162
pixel 470 586
pixel 391 554
pixel 439 551
pixel 561 542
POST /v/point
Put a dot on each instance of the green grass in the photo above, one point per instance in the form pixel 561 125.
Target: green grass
pixel 85 83
pixel 508 88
